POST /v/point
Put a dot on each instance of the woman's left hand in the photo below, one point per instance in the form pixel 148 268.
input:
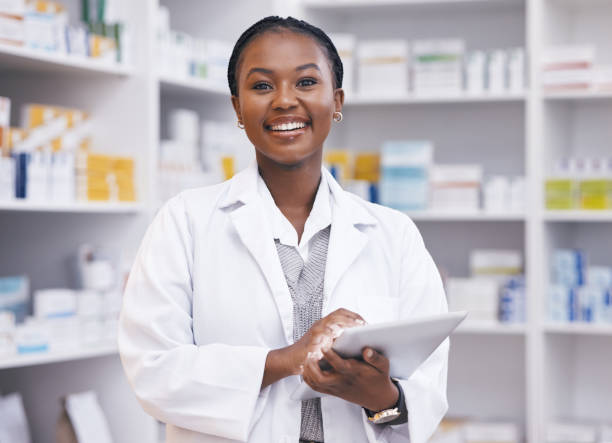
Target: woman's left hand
pixel 366 383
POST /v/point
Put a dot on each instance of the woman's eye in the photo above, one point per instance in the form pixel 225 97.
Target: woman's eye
pixel 261 86
pixel 307 82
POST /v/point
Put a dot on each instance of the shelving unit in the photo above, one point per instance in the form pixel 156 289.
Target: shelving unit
pixel 89 207
pixel 39 238
pixel 191 86
pixel 530 373
pixel 464 216
pixel 579 216
pixel 357 100
pixel 43 358
pixel 26 59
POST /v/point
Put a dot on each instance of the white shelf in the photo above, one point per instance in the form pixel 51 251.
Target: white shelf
pixel 20 58
pixel 190 85
pixel 491 329
pixel 432 215
pixel 578 95
pixel 578 329
pixel 358 5
pixel 89 207
pixel 41 358
pixel 578 216
pixel 408 99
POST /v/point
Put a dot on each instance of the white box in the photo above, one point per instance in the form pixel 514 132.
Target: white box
pixel 345 45
pixel 568 57
pixel 478 296
pixel 383 67
pixel 12 29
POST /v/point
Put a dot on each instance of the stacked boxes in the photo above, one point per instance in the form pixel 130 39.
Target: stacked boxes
pixel 437 66
pixel 495 292
pixel 580 183
pixel 405 168
pixel 43 25
pixel 578 292
pixel 345 45
pixel 456 187
pixel 103 177
pixel 39 162
pixel 358 173
pixel 568 67
pixel 383 67
pixel 182 55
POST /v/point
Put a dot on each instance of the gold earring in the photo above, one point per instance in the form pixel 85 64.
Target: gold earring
pixel 240 124
pixel 338 116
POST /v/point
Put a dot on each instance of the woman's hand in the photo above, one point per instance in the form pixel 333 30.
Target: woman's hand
pixel 366 383
pixel 321 336
pixel 281 363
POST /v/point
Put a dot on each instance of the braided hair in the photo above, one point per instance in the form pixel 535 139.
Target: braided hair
pixel 279 24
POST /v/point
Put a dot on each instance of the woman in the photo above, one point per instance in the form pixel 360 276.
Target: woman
pixel 240 288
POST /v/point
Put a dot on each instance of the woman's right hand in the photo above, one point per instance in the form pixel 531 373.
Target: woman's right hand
pixel 321 335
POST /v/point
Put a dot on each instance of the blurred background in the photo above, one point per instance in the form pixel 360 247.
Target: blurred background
pixel 489 122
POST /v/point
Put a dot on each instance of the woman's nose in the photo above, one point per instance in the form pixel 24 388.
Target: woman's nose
pixel 284 98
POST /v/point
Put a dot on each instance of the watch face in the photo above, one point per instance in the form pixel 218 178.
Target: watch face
pixel 387 418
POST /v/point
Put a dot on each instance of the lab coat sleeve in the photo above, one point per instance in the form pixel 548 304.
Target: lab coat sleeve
pixel 212 389
pixel 422 294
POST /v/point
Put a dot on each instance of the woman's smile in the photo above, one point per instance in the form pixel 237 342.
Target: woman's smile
pixel 287 127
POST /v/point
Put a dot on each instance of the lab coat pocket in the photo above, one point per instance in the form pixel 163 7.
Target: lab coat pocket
pixel 378 309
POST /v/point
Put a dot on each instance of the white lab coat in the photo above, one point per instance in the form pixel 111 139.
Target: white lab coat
pixel 207 299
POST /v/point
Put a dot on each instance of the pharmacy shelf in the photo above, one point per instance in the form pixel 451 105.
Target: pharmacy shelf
pixel 88 207
pixel 578 95
pixel 432 215
pixel 191 85
pixel 578 329
pixel 409 99
pixel 578 216
pixel 468 328
pixel 34 359
pixel 368 5
pixel 16 58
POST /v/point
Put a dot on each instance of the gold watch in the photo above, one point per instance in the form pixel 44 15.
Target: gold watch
pixel 384 416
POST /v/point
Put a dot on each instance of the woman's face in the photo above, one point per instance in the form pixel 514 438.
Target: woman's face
pixel 286 96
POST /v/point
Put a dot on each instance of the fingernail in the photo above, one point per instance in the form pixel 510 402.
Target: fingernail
pixel 301 370
pixel 309 356
pixel 360 322
pixel 369 353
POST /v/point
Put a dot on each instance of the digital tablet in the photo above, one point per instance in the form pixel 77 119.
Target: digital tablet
pixel 406 343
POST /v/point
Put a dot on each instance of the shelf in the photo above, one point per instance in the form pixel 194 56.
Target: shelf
pixel 578 328
pixel 18 361
pixel 409 99
pixel 578 216
pixel 578 95
pixel 491 329
pixel 431 215
pixel 192 85
pixel 89 207
pixel 368 5
pixel 16 58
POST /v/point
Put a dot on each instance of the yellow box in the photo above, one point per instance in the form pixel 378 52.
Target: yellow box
pixel 228 164
pixel 367 166
pixel 100 46
pixel 341 159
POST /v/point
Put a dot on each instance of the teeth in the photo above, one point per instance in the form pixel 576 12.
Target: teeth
pixel 288 126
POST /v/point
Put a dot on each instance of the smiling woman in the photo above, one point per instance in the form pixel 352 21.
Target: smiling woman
pixel 241 288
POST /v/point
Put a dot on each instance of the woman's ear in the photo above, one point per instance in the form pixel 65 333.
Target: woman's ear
pixel 338 99
pixel 236 105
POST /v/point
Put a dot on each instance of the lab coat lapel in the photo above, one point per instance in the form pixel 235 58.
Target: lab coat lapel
pixel 252 228
pixel 346 240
